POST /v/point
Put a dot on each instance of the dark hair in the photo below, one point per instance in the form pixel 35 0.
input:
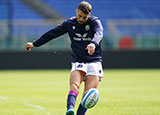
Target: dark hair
pixel 85 7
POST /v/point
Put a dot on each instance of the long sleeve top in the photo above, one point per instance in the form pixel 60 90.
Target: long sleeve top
pixel 80 35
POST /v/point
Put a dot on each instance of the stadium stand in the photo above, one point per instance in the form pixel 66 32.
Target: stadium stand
pixel 105 10
pixel 19 9
pixel 102 8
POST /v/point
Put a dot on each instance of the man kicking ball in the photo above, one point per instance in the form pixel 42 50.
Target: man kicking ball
pixel 85 33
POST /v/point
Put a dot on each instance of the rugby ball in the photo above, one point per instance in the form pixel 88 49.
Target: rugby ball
pixel 90 98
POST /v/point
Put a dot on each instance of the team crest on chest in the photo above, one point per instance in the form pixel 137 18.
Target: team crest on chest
pixel 87 27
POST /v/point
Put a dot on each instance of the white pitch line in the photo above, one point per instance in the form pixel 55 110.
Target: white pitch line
pixel 3 98
pixel 35 106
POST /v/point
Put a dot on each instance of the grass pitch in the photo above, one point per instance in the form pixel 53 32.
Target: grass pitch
pixel 44 92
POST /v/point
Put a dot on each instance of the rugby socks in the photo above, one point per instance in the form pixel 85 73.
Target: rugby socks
pixel 71 100
pixel 81 110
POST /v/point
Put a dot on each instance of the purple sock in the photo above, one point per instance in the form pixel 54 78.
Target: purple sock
pixel 71 100
pixel 81 110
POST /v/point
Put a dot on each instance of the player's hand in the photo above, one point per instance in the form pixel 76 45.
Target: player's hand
pixel 28 46
pixel 91 48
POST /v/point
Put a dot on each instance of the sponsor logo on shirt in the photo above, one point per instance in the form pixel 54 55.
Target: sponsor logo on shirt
pixel 81 37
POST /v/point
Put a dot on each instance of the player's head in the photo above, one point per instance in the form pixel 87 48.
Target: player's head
pixel 83 12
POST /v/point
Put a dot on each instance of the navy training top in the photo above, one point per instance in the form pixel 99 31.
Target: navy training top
pixel 80 35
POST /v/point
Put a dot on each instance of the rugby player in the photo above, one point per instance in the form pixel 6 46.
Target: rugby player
pixel 85 32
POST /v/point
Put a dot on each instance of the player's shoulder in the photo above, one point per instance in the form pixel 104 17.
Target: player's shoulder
pixel 70 20
pixel 93 18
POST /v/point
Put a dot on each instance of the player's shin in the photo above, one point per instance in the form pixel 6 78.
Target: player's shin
pixel 81 110
pixel 71 100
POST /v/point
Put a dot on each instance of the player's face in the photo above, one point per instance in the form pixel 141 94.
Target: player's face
pixel 81 17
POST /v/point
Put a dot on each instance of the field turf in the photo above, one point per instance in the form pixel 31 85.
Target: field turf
pixel 44 92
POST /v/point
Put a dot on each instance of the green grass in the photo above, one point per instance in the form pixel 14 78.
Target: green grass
pixel 44 92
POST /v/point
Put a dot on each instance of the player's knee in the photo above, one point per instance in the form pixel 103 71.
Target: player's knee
pixel 89 86
pixel 75 87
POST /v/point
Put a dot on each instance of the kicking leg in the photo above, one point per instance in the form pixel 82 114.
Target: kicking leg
pixel 90 82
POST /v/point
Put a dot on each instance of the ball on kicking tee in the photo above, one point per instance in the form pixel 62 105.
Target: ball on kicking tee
pixel 90 98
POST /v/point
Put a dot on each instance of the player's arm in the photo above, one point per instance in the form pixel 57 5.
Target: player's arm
pixel 98 34
pixel 53 33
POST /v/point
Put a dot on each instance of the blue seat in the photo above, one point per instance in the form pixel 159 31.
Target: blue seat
pixel 104 9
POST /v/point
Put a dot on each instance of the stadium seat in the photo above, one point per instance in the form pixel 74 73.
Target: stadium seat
pixel 126 43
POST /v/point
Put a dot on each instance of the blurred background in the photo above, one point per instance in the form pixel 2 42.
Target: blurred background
pixel 131 32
